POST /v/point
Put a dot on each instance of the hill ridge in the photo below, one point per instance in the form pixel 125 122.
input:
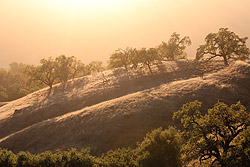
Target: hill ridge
pixel 103 126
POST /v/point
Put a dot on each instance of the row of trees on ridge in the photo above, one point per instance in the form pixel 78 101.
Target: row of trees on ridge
pixel 224 43
pixel 22 79
pixel 173 49
pixel 61 69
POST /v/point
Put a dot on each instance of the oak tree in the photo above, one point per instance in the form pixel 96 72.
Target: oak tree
pixel 225 44
pixel 45 73
pixel 95 66
pixel 175 46
pixel 212 136
pixel 63 67
pixel 121 58
pixel 147 57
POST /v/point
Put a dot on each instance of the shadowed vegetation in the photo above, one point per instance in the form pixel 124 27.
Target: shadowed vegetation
pixel 218 137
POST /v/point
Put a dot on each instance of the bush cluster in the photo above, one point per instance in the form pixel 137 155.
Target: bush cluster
pixel 218 137
pixel 160 147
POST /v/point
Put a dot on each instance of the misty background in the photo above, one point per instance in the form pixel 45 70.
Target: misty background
pixel 32 30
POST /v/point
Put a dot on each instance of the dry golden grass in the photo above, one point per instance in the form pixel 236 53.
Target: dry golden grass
pixel 88 112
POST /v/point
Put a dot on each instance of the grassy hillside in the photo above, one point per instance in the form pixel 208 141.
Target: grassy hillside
pixel 118 110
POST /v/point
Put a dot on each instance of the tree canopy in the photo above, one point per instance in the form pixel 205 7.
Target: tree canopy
pixel 45 73
pixel 218 137
pixel 14 84
pixel 147 57
pixel 95 66
pixel 63 66
pixel 173 49
pixel 213 136
pixel 161 148
pixel 225 44
pixel 175 46
pixel 121 58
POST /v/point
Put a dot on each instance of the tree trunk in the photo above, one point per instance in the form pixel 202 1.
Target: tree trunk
pixel 126 67
pixel 172 56
pixel 225 60
pixel 150 69
pixel 50 86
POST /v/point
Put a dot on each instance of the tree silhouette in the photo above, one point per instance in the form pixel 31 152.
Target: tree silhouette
pixel 175 46
pixel 44 73
pixel 95 66
pixel 225 44
pixel 147 57
pixel 121 58
pixel 63 66
pixel 77 68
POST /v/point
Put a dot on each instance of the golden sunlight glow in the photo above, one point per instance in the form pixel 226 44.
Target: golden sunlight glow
pixel 93 29
pixel 90 5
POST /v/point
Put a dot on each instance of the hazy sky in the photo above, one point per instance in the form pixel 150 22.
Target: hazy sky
pixel 93 29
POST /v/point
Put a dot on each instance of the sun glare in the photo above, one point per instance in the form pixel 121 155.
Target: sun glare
pixel 90 5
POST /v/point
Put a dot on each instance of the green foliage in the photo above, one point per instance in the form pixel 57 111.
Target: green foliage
pixel 70 158
pixel 14 84
pixel 147 57
pixel 68 68
pixel 175 47
pixel 63 66
pixel 144 56
pixel 121 58
pixel 25 159
pixel 212 137
pixel 78 159
pixel 3 93
pixel 219 137
pixel 95 66
pixel 225 44
pixel 7 158
pixel 60 70
pixel 171 50
pixel 45 73
pixel 120 158
pixel 161 148
pixel 78 68
pixel 22 79
pixel 47 158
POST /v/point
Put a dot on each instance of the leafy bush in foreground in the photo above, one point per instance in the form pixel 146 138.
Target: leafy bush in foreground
pixel 161 148
pixel 220 137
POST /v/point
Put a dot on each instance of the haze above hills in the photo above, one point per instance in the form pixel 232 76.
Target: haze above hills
pixel 39 29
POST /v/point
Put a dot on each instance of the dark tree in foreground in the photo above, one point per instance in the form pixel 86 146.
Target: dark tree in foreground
pixel 175 46
pixel 213 136
pixel 225 44
pixel 161 148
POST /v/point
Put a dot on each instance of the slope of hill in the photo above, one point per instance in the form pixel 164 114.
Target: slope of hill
pixel 115 111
